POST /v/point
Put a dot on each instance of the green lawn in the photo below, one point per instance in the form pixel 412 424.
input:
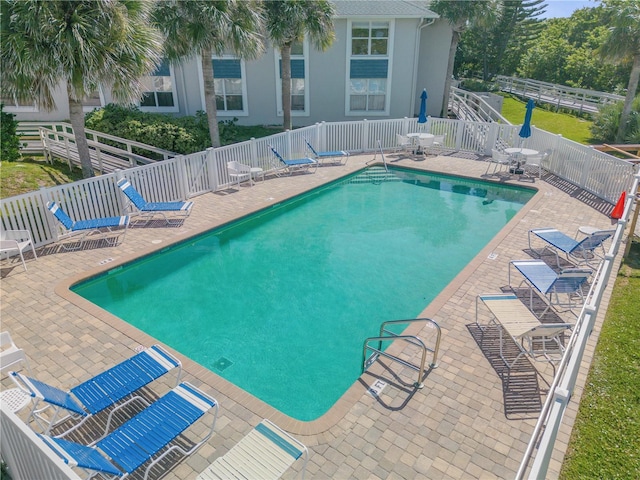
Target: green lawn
pixel 605 442
pixel 33 173
pixel 569 126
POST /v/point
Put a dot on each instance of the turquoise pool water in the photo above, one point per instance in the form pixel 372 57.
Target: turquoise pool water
pixel 280 303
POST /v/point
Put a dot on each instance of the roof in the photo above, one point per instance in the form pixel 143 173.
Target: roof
pixel 384 8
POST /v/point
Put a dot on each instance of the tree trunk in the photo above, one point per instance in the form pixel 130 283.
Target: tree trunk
pixel 455 39
pixel 210 96
pixel 76 116
pixel 632 87
pixel 285 54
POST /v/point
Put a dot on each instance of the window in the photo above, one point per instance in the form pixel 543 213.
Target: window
pixel 369 68
pixel 369 38
pixel 299 98
pixel 158 93
pixel 228 85
pixel 94 100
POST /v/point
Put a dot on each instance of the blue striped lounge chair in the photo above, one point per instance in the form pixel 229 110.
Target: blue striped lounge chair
pixel 290 166
pixel 334 157
pixel 109 229
pixel 98 393
pixel 564 289
pixel 145 439
pixel 172 212
pixel 267 452
pixel 583 251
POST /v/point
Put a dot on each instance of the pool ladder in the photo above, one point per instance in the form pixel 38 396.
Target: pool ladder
pixel 387 335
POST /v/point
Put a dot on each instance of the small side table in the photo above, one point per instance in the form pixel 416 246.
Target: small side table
pixel 15 399
pixel 257 172
pixel 587 230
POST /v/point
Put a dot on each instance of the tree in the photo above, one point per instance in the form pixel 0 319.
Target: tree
pixel 461 14
pixel 289 21
pixel 83 43
pixel 623 45
pixel 496 47
pixel 205 28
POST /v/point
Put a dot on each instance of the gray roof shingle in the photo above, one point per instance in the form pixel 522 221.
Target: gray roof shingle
pixel 384 8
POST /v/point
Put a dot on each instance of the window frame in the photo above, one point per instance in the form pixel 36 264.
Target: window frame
pixel 174 93
pixel 243 80
pixel 351 56
pixel 305 58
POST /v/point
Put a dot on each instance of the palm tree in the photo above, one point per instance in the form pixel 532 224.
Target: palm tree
pixel 83 43
pixel 623 45
pixel 460 15
pixel 206 27
pixel 289 21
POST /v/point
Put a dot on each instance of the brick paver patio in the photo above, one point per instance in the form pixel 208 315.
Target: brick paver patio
pixel 464 423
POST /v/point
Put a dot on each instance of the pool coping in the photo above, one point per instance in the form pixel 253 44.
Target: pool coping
pixel 237 394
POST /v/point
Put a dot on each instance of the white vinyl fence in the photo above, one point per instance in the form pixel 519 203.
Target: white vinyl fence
pixel 187 176
pixel 26 455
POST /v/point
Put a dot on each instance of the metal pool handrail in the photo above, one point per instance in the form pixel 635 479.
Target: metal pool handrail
pixel 387 335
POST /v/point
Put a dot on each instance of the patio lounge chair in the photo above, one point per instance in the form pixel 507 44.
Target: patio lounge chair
pixel 84 228
pixel 569 282
pixel 17 241
pixel 265 453
pixel 583 251
pixel 293 165
pixel 147 436
pixel 147 210
pixel 100 392
pixel 334 157
pixel 534 339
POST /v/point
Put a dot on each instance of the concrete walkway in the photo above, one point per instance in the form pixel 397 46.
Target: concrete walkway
pixel 464 423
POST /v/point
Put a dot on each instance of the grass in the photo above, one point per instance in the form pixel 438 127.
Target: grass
pixel 569 126
pixel 604 442
pixel 33 173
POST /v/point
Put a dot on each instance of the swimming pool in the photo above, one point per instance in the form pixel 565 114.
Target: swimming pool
pixel 279 303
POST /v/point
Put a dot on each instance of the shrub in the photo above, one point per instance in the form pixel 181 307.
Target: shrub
pixel 10 142
pixel 606 122
pixel 178 134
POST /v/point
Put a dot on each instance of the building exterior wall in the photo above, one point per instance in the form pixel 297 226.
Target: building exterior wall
pixel 417 58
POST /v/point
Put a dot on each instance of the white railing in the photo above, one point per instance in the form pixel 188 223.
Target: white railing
pixel 470 106
pixel 559 95
pixel 190 175
pixel 108 152
pixel 26 455
pixel 546 429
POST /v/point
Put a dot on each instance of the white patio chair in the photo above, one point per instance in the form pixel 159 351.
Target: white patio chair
pixel 16 241
pixel 498 160
pixel 238 172
pixel 403 143
pixel 14 399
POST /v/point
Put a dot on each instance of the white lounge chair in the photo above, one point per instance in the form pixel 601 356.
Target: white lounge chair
pixel 534 339
pixel 265 453
pixel 17 241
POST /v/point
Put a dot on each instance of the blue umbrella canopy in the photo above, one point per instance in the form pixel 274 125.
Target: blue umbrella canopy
pixel 422 117
pixel 525 130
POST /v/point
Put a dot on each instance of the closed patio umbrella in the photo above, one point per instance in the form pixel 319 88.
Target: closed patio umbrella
pixel 422 117
pixel 525 130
